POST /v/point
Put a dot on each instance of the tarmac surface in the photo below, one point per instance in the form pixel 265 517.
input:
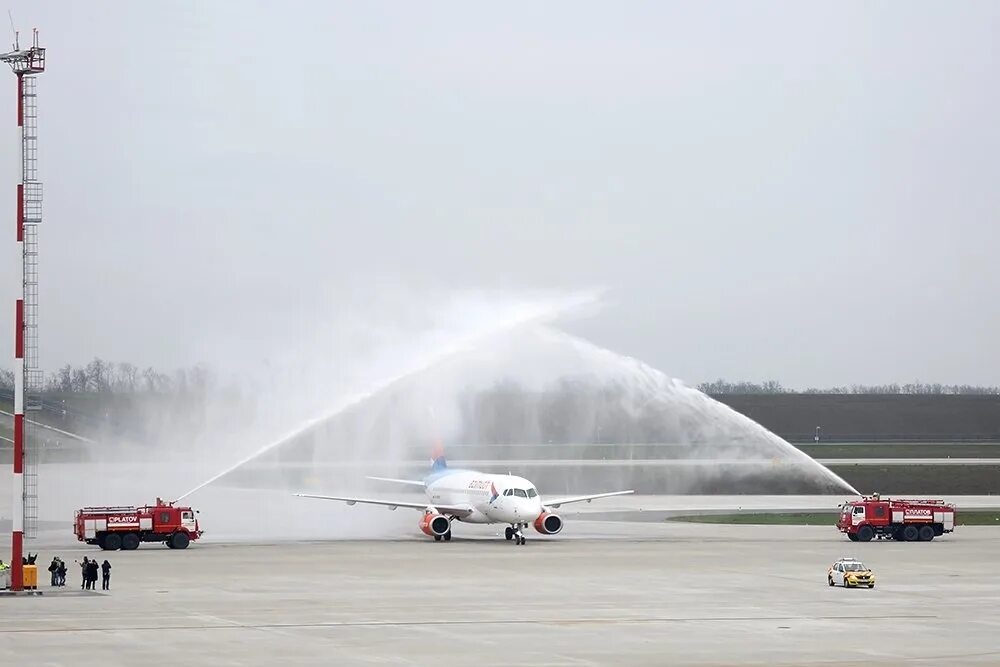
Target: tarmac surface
pixel 600 593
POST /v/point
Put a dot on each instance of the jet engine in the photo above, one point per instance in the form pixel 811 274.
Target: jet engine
pixel 435 524
pixel 548 523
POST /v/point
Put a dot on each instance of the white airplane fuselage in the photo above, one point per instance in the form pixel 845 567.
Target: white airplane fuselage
pixel 494 498
pixel 470 496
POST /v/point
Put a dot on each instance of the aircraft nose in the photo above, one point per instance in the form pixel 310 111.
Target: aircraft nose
pixel 527 510
pixel 519 510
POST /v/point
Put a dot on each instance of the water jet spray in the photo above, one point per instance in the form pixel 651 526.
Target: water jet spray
pixel 534 315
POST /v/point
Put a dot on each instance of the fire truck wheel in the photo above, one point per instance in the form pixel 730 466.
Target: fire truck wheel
pixel 130 541
pixel 910 533
pixel 111 542
pixel 179 541
pixel 926 533
pixel 852 537
pixel 865 534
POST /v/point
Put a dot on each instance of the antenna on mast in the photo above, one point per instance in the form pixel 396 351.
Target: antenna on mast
pixel 13 30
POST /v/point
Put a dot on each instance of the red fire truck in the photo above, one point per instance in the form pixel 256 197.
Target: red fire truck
pixel 896 518
pixel 113 528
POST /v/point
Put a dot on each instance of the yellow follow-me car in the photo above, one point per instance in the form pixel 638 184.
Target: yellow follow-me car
pixel 850 573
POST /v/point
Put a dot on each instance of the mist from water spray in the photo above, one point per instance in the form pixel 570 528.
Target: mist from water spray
pixel 541 383
pixel 430 356
pixel 455 346
pixel 511 394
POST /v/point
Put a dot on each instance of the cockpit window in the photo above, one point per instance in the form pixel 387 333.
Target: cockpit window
pixel 532 493
pixel 508 492
pixel 520 493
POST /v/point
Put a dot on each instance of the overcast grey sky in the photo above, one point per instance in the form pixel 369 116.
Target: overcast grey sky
pixel 781 190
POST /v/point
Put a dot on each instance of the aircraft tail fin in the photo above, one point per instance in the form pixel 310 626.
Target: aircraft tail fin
pixel 438 462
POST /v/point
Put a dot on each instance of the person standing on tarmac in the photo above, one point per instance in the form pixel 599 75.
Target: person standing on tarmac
pixel 54 570
pixel 84 572
pixel 105 575
pixel 94 567
pixel 62 573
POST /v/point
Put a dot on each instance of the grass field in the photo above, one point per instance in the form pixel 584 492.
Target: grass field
pixel 924 479
pixel 872 417
pixel 970 518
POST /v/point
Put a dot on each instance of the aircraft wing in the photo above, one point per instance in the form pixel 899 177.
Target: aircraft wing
pixel 452 510
pixel 556 502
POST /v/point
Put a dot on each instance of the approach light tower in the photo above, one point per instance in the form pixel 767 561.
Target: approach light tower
pixel 26 64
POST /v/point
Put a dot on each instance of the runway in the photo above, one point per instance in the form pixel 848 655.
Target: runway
pixel 601 593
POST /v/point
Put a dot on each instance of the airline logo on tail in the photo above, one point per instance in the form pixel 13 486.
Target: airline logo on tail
pixel 437 457
pixel 493 492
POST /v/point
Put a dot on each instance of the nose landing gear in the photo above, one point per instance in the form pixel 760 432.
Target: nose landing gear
pixel 513 532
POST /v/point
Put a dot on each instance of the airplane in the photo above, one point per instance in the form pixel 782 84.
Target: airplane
pixel 470 496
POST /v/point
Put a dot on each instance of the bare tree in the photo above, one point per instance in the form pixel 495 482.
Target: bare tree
pixel 150 376
pixel 127 375
pixel 65 378
pixel 97 374
pixel 80 379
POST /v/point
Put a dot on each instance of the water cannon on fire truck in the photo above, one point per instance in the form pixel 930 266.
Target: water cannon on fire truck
pixel 903 519
pixel 125 527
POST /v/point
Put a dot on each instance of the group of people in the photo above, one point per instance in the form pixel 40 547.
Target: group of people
pixel 89 569
pixel 58 570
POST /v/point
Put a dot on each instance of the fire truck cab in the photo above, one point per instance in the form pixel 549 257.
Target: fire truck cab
pixel 897 518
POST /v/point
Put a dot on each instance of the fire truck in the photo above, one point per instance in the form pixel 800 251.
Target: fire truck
pixel 896 518
pixel 113 528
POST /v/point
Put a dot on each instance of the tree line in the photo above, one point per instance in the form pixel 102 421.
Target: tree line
pixel 108 377
pixel 720 387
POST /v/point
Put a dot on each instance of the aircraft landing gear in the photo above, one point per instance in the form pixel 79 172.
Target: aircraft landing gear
pixel 514 532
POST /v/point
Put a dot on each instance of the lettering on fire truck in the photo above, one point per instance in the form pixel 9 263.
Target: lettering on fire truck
pixel 123 519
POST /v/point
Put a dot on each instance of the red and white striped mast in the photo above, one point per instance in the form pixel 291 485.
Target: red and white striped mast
pixel 24 63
